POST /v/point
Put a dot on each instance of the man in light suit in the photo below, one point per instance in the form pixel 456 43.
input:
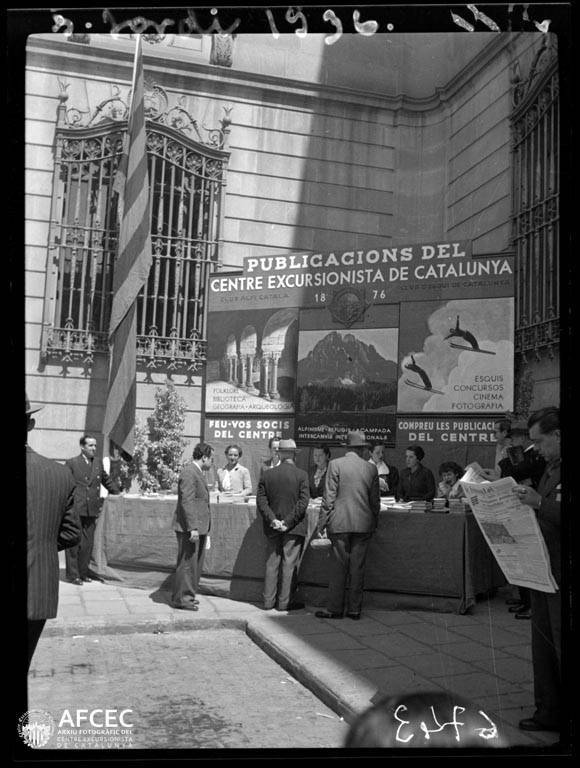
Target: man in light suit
pixel 191 523
pixel 52 525
pixel 349 513
pixel 544 426
pixel 88 474
pixel 282 499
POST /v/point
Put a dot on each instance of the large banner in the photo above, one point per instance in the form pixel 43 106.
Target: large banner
pixel 350 338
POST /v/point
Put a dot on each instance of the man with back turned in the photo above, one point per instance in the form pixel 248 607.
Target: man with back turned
pixel 349 513
pixel 282 501
pixel 52 525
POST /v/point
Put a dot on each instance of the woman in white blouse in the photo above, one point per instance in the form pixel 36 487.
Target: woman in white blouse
pixel 233 477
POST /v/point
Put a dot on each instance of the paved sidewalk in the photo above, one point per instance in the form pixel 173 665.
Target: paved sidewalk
pixel 484 656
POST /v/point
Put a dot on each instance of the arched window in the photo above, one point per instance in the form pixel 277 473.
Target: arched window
pixel 187 177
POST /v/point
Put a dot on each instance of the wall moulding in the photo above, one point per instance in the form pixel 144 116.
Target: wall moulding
pixel 218 81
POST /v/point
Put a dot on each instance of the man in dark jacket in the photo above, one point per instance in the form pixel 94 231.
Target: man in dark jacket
pixel 88 474
pixel 349 513
pixel 191 523
pixel 282 499
pixel 544 426
pixel 526 466
pixel 52 525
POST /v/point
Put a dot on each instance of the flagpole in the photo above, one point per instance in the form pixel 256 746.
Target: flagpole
pixel 135 59
pixel 106 435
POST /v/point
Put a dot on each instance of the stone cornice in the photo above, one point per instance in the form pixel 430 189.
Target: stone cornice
pixel 116 65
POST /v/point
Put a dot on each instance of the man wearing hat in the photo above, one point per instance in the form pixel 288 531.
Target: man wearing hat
pixel 349 513
pixel 282 499
pixel 52 524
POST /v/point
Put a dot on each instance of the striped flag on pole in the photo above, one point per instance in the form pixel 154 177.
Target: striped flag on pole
pixel 130 273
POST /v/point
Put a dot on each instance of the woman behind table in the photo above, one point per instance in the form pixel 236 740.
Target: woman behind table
pixel 416 482
pixel 450 473
pixel 234 477
pixel 388 476
pixel 317 476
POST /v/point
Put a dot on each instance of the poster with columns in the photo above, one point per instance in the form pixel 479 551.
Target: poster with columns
pixel 252 361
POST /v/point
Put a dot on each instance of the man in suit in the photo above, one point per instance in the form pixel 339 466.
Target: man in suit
pixel 282 499
pixel 544 426
pixel 349 513
pixel 191 523
pixel 274 460
pixel 526 466
pixel 388 475
pixel 52 525
pixel 88 474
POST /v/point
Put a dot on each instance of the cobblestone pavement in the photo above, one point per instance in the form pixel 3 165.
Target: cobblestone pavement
pixel 209 688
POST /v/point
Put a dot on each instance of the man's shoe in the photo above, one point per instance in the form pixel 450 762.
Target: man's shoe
pixel 531 724
pixel 189 607
pixel 327 615
pixel 267 607
pixel 526 613
pixel 78 582
pixel 94 577
pixel 516 608
pixel 354 616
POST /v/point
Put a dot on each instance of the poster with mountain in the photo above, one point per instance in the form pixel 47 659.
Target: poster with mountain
pixel 346 378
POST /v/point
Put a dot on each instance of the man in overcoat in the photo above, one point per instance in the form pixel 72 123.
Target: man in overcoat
pixel 52 525
pixel 282 499
pixel 349 513
pixel 544 426
pixel 88 474
pixel 191 523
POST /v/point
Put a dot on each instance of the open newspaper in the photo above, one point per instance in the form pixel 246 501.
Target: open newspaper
pixel 510 529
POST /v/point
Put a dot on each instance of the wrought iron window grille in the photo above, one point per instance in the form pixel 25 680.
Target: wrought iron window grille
pixel 535 122
pixel 187 179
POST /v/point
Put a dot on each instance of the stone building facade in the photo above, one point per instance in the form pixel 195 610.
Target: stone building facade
pixel 402 138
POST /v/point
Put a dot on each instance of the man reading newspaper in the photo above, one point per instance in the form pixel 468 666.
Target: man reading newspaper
pixel 522 528
pixel 544 429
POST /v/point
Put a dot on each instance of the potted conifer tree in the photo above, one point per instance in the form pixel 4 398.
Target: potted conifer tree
pixel 159 445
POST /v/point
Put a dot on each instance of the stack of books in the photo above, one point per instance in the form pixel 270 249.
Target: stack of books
pixel 404 506
pixel 439 505
pixel 456 505
pixel 420 506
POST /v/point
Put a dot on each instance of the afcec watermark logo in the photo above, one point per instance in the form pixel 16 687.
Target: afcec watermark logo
pixel 35 728
pixel 78 729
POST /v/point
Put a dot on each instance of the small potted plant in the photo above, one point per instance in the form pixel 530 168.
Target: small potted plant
pixel 159 445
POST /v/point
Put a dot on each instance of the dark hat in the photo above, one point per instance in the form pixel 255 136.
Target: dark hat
pixel 29 409
pixel 356 440
pixel 287 445
pixel 520 426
